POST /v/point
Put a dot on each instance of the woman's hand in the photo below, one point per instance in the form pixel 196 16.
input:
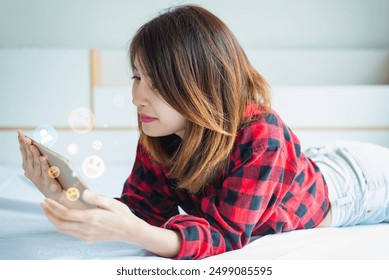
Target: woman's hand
pixel 111 220
pixel 36 168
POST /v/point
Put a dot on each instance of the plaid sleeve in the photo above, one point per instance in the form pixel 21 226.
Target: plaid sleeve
pixel 145 191
pixel 243 201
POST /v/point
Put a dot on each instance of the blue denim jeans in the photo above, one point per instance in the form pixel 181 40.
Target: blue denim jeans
pixel 357 175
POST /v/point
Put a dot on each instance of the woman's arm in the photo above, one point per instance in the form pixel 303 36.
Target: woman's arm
pixel 243 202
pixel 112 220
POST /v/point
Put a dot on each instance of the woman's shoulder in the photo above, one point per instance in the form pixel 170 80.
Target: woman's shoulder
pixel 265 132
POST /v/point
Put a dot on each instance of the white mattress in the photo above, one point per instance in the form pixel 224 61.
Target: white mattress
pixel 25 233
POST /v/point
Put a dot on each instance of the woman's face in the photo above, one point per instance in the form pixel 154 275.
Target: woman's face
pixel 158 118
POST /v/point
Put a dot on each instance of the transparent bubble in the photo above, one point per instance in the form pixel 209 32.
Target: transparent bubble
pixel 81 120
pixel 97 145
pixel 72 149
pixel 46 135
pixel 93 167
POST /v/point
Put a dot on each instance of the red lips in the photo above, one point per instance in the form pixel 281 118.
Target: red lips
pixel 146 119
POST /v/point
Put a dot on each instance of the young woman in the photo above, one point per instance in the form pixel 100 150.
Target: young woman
pixel 211 144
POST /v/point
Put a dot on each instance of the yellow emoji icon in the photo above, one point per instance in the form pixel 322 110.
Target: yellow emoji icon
pixel 53 172
pixel 72 194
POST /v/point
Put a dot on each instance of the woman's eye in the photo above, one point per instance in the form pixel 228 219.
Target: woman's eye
pixel 135 78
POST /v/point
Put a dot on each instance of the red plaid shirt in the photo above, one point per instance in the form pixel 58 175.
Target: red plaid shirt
pixel 270 186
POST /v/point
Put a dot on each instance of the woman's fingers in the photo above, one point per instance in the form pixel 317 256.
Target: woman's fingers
pixel 64 226
pixel 73 228
pixel 45 170
pixel 25 143
pixel 63 213
pixel 98 200
pixel 30 159
pixel 55 189
pixel 36 162
pixel 22 146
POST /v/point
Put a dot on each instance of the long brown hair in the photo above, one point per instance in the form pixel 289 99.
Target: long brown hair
pixel 198 67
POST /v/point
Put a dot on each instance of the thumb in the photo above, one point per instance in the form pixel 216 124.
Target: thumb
pixel 97 200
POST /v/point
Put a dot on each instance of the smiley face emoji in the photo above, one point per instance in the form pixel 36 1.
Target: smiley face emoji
pixel 53 172
pixel 93 167
pixel 72 194
pixel 81 120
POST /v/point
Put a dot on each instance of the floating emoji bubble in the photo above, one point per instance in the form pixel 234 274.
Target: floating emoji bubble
pixel 93 167
pixel 53 172
pixel 46 135
pixel 72 194
pixel 72 149
pixel 97 145
pixel 81 120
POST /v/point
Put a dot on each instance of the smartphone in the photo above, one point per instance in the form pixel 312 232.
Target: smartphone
pixel 63 171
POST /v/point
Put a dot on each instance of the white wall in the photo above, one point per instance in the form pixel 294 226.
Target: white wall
pixel 299 43
pixel 257 23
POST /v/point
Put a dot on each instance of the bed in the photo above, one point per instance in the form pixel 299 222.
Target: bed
pixel 26 234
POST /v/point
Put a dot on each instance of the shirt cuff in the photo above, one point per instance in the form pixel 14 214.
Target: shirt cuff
pixel 196 242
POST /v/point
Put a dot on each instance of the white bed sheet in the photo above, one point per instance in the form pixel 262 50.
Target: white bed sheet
pixel 25 233
pixel 349 243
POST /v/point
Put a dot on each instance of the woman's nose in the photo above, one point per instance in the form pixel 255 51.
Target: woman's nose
pixel 137 103
pixel 137 100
